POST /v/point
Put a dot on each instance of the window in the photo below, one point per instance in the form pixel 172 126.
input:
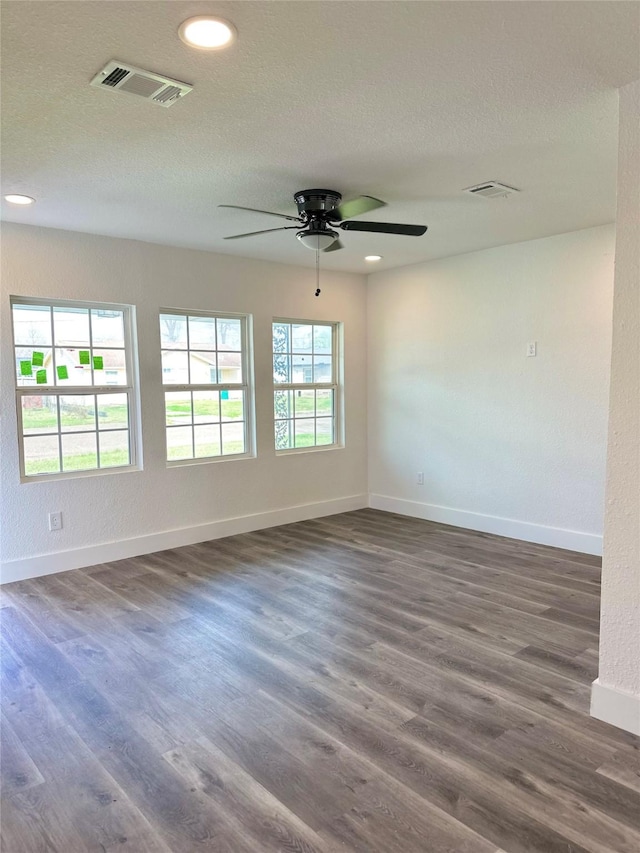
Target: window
pixel 74 386
pixel 206 392
pixel 305 379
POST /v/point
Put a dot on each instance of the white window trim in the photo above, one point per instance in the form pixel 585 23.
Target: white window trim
pixel 131 390
pixel 246 385
pixel 336 385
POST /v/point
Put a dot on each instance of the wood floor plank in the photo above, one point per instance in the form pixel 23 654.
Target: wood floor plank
pixel 437 779
pixel 139 594
pixel 398 758
pixel 547 758
pixel 79 788
pixel 360 682
pixel 51 618
pixel 456 550
pixel 581 822
pixel 624 768
pixel 89 594
pixel 268 824
pixel 378 796
pixel 19 771
pixel 407 529
pixel 24 702
pixel 299 788
pixel 34 821
pixel 571 666
pixel 183 820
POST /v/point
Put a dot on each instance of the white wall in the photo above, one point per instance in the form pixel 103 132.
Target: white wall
pixel 193 499
pixel 507 444
pixel 616 693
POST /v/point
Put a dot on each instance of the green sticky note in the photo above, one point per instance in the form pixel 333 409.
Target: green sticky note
pixel 62 371
pixel 84 356
pixel 98 362
pixel 25 368
pixel 37 359
pixel 41 377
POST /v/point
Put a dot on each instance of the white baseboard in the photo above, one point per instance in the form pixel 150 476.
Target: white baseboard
pixel 106 552
pixel 558 537
pixel 615 707
pixel 62 561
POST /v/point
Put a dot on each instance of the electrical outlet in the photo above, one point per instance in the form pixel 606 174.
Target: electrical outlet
pixel 55 521
pixel 532 349
pixel 420 478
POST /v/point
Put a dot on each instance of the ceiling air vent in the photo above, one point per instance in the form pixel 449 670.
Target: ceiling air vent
pixel 491 189
pixel 145 84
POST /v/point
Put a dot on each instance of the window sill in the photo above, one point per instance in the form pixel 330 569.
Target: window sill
pixel 296 451
pixel 74 475
pixel 204 460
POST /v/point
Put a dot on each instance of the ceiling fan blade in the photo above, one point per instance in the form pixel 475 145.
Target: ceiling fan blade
pixel 334 246
pixel 266 231
pixel 385 228
pixel 358 206
pixel 255 210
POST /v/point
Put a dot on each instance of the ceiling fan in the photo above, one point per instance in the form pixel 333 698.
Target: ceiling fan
pixel 320 211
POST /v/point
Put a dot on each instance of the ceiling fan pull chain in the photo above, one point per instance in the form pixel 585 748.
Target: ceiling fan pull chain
pixel 317 272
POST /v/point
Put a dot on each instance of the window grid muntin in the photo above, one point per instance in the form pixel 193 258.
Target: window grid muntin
pixel 290 354
pixel 291 419
pixel 307 386
pixel 58 391
pixel 81 391
pixel 90 307
pixel 220 423
pixel 242 386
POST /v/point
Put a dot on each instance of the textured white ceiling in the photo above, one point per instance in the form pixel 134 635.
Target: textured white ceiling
pixel 407 101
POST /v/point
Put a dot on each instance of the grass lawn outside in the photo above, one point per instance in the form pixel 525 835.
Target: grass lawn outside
pixel 205 450
pixel 43 420
pixel 77 462
pixel 47 419
pixel 179 412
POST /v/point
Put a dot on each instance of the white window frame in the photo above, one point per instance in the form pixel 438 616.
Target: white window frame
pixel 130 389
pixel 246 385
pixel 335 385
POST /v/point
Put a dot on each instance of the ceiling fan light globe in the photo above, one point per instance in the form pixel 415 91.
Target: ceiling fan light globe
pixel 317 241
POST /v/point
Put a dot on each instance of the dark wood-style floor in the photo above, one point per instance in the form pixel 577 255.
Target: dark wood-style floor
pixel 364 682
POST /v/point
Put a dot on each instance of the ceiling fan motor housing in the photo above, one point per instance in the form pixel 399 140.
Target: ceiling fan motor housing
pixel 314 202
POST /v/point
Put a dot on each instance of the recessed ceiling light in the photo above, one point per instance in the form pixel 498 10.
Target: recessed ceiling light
pixel 19 199
pixel 207 33
pixel 373 258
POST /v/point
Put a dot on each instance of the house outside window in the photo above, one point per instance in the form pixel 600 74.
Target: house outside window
pixel 205 374
pixel 75 387
pixel 305 375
